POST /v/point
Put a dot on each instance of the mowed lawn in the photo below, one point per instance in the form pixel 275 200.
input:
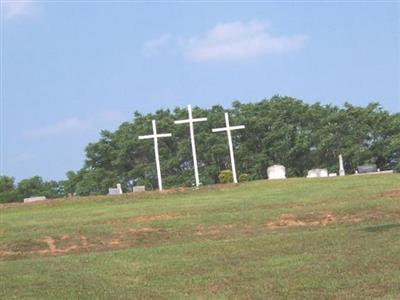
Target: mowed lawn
pixel 328 238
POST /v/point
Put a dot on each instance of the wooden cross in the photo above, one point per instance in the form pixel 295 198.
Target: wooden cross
pixel 228 130
pixel 191 121
pixel 155 137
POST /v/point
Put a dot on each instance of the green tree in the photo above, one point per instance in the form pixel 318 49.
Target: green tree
pixel 8 192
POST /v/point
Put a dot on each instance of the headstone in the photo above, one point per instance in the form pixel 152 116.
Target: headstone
pixel 332 174
pixel 317 173
pixel 139 189
pixel 34 199
pixel 115 191
pixel 367 169
pixel 276 172
pixel 341 168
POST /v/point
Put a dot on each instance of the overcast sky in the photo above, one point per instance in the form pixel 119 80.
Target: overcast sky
pixel 72 68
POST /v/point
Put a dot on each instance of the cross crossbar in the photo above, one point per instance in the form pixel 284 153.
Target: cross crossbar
pixel 228 128
pixel 190 120
pixel 152 136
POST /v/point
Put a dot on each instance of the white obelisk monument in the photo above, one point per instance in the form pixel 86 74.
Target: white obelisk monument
pixel 228 130
pixel 194 154
pixel 341 168
pixel 155 136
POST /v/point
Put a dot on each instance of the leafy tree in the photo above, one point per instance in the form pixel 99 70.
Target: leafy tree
pixel 8 192
pixel 280 130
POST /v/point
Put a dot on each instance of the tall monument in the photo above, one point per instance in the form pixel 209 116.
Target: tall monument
pixel 341 168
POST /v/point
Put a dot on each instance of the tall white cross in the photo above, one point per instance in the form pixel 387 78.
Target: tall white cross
pixel 155 136
pixel 228 130
pixel 191 121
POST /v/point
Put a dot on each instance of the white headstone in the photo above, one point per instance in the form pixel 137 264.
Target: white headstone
pixel 155 137
pixel 341 168
pixel 317 173
pixel 119 188
pixel 138 189
pixel 332 174
pixel 194 154
pixel 228 130
pixel 34 199
pixel 276 172
pixel 114 191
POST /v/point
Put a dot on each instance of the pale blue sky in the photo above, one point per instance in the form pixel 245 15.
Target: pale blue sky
pixel 72 68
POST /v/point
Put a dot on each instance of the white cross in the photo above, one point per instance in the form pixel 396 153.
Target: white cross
pixel 155 136
pixel 228 130
pixel 191 121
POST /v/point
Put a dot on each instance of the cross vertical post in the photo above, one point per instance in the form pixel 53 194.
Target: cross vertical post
pixel 228 130
pixel 155 137
pixel 191 121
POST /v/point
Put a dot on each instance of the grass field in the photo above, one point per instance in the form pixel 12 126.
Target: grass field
pixel 330 238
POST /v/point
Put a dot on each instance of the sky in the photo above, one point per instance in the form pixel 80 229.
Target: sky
pixel 72 68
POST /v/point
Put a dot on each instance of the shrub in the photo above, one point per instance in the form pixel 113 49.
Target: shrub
pixel 225 176
pixel 244 177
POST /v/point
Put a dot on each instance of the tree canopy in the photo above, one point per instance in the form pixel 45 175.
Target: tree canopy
pixel 280 130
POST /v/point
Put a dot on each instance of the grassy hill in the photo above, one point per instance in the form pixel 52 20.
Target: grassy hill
pixel 296 238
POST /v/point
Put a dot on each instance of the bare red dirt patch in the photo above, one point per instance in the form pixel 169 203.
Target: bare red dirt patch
pixel 75 243
pixel 147 218
pixel 213 230
pixel 392 193
pixel 289 220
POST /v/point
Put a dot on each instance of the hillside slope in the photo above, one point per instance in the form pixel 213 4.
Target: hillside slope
pixel 296 238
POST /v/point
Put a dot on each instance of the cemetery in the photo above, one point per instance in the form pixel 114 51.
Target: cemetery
pixel 199 150
pixel 190 212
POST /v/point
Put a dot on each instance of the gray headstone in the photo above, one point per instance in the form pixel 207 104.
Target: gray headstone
pixel 276 172
pixel 366 169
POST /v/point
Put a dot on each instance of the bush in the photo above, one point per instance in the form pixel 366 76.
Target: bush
pixel 225 176
pixel 244 177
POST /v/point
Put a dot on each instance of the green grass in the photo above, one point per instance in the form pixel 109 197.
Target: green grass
pixel 214 243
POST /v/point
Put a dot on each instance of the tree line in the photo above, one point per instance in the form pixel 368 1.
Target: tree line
pixel 280 130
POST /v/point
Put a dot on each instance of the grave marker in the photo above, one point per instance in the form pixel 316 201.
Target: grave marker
pixel 317 173
pixel 276 172
pixel 34 199
pixel 341 168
